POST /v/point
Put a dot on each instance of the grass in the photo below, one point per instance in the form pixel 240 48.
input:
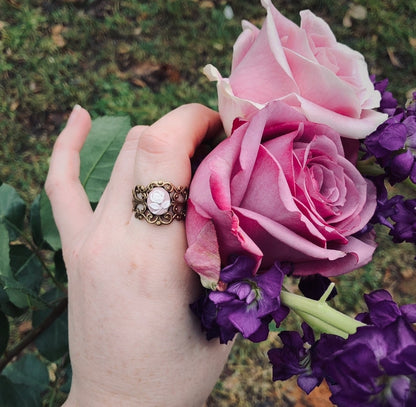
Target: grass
pixel 144 58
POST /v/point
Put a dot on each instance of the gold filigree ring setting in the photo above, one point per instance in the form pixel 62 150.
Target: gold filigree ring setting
pixel 159 202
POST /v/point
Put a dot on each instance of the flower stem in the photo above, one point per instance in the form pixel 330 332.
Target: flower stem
pixel 319 315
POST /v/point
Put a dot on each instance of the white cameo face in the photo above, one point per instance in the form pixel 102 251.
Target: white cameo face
pixel 158 201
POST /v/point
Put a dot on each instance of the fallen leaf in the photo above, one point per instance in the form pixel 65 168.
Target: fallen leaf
pixel 412 42
pixel 409 95
pixel 356 12
pixel 57 37
pixel 206 4
pixel 14 105
pixel 150 74
pixel 393 59
pixel 52 368
pixel 14 3
pixel 318 397
pixel 407 273
pixel 24 327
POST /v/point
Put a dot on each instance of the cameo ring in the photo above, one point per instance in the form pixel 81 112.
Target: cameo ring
pixel 159 202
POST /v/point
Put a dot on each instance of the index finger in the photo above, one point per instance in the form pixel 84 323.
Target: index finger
pixel 70 205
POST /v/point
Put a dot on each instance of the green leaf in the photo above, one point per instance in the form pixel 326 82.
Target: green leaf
pixel 7 306
pixel 5 270
pixel 35 221
pixel 100 151
pixel 22 296
pixel 60 268
pixel 18 293
pixel 30 371
pixel 12 210
pixel 26 267
pixel 49 230
pixel 98 156
pixel 53 342
pixel 4 332
pixel 13 395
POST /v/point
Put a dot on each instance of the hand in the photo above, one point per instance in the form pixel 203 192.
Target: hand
pixel 133 340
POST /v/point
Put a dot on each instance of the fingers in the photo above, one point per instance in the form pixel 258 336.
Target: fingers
pixel 69 202
pixel 117 198
pixel 156 153
pixel 164 151
pixel 165 148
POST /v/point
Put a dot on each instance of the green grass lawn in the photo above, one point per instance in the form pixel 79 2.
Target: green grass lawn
pixel 144 58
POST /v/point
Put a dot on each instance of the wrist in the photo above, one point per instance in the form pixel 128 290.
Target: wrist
pixel 91 395
pixel 97 398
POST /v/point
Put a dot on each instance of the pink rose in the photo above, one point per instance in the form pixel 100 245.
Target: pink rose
pixel 306 68
pixel 279 188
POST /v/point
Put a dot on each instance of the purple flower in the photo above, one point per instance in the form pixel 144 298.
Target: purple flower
pixel 295 358
pixel 396 213
pixel 393 143
pixel 388 103
pixel 404 216
pixel 376 366
pixel 384 311
pixel 248 303
pixel 206 311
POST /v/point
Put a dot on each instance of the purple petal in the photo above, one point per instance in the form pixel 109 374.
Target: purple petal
pixel 393 137
pixel 242 267
pixel 246 322
pixel 409 311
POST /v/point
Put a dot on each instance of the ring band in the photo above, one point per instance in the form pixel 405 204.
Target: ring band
pixel 159 202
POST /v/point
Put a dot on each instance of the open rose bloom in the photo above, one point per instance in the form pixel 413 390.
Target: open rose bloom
pixel 279 188
pixel 304 67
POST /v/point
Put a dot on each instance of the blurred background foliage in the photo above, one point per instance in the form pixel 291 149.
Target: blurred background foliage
pixel 144 58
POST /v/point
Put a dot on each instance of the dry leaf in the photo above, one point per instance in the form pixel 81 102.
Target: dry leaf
pixel 356 12
pixel 409 94
pixel 14 105
pixel 206 4
pixel 57 38
pixel 412 42
pixel 393 59
pixel 150 74
pixel 24 327
pixel 52 368
pixel 407 273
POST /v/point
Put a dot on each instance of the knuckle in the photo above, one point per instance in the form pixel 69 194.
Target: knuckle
pixel 132 138
pixel 155 142
pixel 134 133
pixel 52 184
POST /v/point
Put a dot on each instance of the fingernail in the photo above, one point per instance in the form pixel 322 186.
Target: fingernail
pixel 73 114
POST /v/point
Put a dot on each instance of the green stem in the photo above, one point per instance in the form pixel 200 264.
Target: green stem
pixel 319 315
pixel 34 333
pixel 410 184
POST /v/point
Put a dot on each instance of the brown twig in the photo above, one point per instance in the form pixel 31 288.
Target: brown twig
pixel 34 333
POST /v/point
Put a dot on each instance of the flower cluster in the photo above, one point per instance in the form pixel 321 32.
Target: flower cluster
pixel 247 304
pixel 393 143
pixel 283 195
pixel 384 350
pixel 393 146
